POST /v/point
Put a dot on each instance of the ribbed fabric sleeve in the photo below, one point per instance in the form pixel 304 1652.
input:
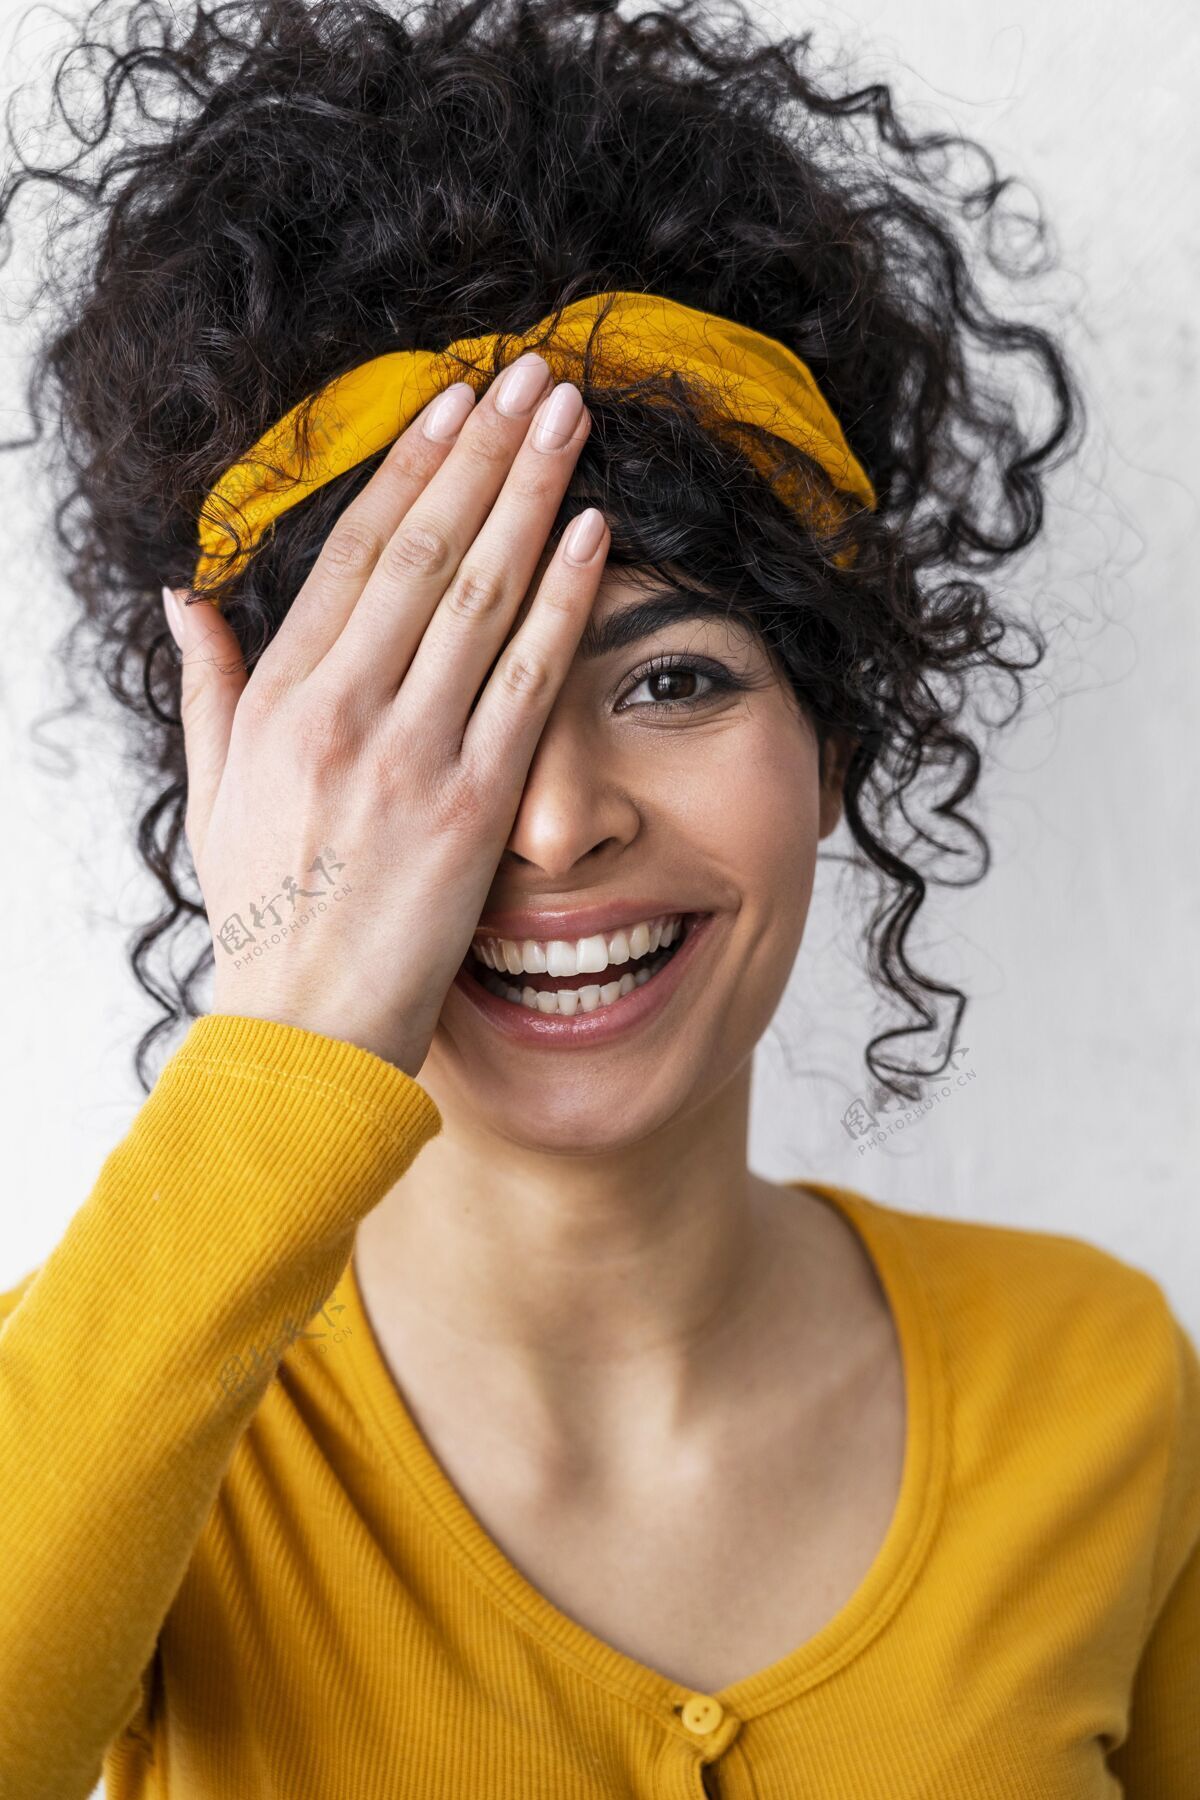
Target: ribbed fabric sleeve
pixel 216 1228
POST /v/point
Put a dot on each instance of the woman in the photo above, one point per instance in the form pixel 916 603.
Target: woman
pixel 457 1412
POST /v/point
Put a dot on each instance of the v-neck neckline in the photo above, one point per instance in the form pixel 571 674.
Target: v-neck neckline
pixel 843 1637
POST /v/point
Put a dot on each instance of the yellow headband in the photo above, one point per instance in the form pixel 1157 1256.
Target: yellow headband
pixel 757 379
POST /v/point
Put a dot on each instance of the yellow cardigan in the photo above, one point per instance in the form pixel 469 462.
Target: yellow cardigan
pixel 232 1569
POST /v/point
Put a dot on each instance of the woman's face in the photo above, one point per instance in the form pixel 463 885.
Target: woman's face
pixel 707 802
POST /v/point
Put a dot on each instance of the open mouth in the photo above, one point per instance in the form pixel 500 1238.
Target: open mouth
pixel 566 995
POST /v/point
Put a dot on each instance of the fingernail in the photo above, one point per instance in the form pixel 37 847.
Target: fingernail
pixel 520 385
pixel 558 418
pixel 174 616
pixel 449 412
pixel 583 536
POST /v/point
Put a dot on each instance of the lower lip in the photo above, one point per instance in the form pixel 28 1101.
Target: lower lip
pixel 525 1026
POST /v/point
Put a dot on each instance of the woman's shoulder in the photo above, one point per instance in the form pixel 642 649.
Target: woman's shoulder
pixel 1028 1265
pixel 1037 1304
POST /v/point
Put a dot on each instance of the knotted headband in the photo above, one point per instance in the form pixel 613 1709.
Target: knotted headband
pixel 753 378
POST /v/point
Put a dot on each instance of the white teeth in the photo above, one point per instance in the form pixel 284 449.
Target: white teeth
pixel 593 955
pixel 618 949
pixel 583 956
pixel 560 959
pixel 566 1002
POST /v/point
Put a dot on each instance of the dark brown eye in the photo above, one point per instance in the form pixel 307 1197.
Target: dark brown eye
pixel 672 684
pixel 665 684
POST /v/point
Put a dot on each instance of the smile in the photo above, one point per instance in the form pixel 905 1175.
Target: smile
pixel 564 1009
pixel 548 983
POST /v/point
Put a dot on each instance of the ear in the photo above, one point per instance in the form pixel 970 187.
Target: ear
pixel 836 750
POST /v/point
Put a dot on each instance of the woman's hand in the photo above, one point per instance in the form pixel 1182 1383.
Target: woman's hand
pixel 351 762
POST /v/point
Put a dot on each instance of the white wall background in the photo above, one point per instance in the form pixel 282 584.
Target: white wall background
pixel 1080 947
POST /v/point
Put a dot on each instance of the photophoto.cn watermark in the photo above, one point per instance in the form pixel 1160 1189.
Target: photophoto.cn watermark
pixel 872 1129
pixel 267 928
pixel 237 1377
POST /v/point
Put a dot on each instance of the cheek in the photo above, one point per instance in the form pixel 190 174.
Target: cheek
pixel 754 801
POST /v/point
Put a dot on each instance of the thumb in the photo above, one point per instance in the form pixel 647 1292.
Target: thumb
pixel 213 676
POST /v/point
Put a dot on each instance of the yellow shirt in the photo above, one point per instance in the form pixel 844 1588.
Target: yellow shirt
pixel 232 1569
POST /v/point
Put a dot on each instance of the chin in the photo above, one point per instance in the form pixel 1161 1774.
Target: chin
pixel 568 1106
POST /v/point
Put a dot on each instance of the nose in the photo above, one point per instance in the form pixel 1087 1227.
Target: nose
pixel 574 806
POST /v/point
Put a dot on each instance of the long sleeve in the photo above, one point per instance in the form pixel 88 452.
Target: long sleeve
pixel 1160 1757
pixel 137 1353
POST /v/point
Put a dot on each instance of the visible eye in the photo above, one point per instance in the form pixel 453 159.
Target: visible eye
pixel 677 671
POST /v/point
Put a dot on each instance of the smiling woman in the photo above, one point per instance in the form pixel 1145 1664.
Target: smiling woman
pixel 574 446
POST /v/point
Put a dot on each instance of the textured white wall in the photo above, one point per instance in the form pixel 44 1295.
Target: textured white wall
pixel 1079 949
pixel 1082 1034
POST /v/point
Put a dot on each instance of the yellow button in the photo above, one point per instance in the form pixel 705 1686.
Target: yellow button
pixel 702 1713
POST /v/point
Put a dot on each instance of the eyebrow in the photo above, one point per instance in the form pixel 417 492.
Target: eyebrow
pixel 631 624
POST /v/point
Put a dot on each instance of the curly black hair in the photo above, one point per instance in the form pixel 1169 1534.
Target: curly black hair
pixel 277 190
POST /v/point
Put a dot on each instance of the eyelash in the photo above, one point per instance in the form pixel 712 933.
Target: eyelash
pixel 722 682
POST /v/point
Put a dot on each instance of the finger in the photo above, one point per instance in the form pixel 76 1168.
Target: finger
pixel 212 679
pixel 420 563
pixel 503 731
pixel 334 586
pixel 476 613
pixel 335 581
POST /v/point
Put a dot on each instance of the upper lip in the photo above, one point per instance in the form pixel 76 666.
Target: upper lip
pixel 580 922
